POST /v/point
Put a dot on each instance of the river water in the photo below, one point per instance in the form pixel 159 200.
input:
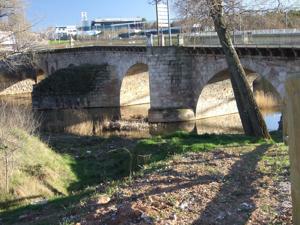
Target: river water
pixel 95 121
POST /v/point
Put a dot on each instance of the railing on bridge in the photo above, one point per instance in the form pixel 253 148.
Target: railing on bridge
pixel 275 37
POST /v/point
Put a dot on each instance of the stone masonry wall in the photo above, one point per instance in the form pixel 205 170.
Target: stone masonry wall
pixel 135 89
pixel 217 99
pixel 177 77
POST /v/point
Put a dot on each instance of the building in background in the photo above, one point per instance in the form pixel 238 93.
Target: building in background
pixel 98 26
pixel 117 23
pixel 7 41
pixel 85 26
pixel 64 32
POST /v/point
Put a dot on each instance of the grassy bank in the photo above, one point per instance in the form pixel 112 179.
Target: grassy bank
pixel 35 173
pixel 30 171
pixel 104 165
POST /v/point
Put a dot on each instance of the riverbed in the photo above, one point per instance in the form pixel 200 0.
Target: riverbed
pixel 93 121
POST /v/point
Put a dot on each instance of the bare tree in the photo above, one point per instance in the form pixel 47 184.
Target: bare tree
pixel 14 29
pixel 17 42
pixel 224 15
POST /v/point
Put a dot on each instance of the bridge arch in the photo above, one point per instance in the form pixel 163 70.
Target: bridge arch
pixel 216 97
pixel 135 85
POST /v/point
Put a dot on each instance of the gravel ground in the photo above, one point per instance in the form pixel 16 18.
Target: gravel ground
pixel 240 185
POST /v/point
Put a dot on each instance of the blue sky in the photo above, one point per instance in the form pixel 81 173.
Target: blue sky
pixel 44 13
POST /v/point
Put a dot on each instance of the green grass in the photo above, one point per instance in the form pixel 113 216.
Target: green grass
pixel 114 167
pixel 276 161
pixel 38 172
pixel 57 42
pixel 160 148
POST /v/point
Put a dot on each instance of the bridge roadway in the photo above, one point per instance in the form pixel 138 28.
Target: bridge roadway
pixel 177 77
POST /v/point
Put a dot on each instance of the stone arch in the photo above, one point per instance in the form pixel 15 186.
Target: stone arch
pixel 135 85
pixel 216 97
pixel 272 72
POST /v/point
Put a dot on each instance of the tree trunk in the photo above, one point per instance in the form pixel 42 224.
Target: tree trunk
pixel 242 111
pixel 251 117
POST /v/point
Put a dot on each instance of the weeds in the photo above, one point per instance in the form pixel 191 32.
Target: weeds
pixel 28 168
pixel 13 121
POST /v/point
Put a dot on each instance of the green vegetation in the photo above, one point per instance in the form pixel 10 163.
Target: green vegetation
pixel 71 80
pixel 38 173
pixel 58 42
pixel 277 160
pixel 159 148
pixel 83 167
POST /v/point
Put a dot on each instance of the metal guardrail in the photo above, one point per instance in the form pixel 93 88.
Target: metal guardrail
pixel 258 38
pixel 290 37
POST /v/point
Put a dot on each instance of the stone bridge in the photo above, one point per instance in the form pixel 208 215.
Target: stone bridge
pixel 174 80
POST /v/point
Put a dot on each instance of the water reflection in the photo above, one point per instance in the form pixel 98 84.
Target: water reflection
pixel 220 125
pixel 94 121
pixel 272 120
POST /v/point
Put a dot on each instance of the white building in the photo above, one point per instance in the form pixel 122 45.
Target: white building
pixel 64 32
pixel 7 41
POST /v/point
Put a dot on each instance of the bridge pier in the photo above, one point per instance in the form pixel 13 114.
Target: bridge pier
pixel 170 115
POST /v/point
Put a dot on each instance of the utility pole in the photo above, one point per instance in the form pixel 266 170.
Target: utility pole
pixel 286 19
pixel 169 25
pixel 157 26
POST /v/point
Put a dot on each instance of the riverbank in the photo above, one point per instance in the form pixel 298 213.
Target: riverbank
pixel 173 179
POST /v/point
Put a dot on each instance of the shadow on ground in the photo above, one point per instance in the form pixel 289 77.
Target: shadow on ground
pixel 98 160
pixel 228 207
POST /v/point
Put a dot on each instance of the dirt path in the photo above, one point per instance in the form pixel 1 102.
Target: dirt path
pixel 241 185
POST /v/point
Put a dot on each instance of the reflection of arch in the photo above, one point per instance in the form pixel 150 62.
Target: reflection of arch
pixel 216 98
pixel 267 97
pixel 135 86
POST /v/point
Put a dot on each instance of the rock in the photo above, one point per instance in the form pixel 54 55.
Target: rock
pixel 183 205
pixel 40 202
pixel 287 204
pixel 173 217
pixel 221 216
pixel 285 187
pixel 103 199
pixel 147 219
pixel 245 207
pixel 21 217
